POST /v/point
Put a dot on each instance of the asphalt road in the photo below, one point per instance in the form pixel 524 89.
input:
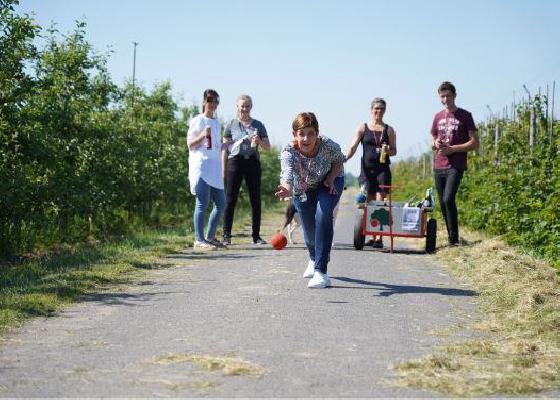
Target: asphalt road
pixel 248 304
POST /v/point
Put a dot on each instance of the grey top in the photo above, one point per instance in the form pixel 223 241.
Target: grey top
pixel 303 172
pixel 240 136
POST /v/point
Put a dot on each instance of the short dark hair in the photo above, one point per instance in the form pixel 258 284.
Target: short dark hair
pixel 446 85
pixel 304 120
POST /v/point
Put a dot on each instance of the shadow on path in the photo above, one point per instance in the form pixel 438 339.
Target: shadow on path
pixel 214 255
pixel 386 289
pixel 386 249
pixel 126 299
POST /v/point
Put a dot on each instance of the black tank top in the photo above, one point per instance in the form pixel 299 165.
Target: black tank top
pixel 371 145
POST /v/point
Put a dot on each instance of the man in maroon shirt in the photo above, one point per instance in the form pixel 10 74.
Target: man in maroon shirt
pixel 453 135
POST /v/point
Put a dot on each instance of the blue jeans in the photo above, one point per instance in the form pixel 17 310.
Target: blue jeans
pixel 316 214
pixel 205 192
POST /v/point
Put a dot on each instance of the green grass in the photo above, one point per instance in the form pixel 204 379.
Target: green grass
pixel 41 285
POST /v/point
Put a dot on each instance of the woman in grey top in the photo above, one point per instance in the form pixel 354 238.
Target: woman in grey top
pixel 243 136
pixel 313 173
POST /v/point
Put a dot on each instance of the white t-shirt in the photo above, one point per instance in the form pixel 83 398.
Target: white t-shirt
pixel 203 162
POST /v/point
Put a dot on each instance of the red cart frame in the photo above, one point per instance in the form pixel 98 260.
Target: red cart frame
pixel 428 227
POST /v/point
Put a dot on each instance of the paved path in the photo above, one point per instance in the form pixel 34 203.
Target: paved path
pixel 249 304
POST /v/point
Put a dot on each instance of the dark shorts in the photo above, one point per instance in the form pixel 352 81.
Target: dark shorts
pixel 374 178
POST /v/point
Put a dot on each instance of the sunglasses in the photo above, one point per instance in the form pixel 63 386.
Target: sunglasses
pixel 212 100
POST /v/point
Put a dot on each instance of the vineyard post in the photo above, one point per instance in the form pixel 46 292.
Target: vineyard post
pixel 496 140
pixel 513 110
pixel 134 72
pixel 547 104
pixel 552 111
pixel 531 120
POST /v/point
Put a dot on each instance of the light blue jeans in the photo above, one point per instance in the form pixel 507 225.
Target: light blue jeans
pixel 316 214
pixel 205 193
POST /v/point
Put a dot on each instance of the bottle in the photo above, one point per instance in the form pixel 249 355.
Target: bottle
pixel 253 144
pixel 383 157
pixel 428 200
pixel 208 137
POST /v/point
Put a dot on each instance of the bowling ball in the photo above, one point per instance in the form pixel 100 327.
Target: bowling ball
pixel 278 241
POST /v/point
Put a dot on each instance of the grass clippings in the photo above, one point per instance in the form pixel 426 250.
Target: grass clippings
pixel 515 343
pixel 227 365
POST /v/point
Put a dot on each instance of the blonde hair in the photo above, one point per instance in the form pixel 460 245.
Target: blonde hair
pixel 304 120
pixel 245 97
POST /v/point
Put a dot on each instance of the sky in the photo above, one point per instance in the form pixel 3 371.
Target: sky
pixel 326 56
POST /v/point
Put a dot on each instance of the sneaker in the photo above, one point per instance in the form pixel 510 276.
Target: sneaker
pixel 203 246
pixel 226 240
pixel 370 242
pixel 217 243
pixel 319 281
pixel 259 241
pixel 378 244
pixel 310 270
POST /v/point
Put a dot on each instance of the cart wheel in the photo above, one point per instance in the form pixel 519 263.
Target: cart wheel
pixel 431 234
pixel 359 237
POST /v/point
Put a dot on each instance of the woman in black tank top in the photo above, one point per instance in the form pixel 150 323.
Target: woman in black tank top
pixel 376 138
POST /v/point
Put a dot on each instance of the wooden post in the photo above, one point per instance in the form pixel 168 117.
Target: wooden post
pixel 552 111
pixel 547 102
pixel 531 120
pixel 514 111
pixel 496 140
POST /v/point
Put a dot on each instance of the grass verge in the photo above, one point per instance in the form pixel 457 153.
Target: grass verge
pixel 514 347
pixel 38 286
pixel 41 285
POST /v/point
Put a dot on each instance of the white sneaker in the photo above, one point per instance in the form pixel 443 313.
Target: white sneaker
pixel 319 281
pixel 203 246
pixel 310 270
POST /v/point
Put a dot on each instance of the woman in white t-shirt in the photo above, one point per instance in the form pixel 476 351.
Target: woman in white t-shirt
pixel 205 171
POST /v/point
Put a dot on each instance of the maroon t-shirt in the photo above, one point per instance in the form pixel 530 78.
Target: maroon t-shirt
pixel 452 128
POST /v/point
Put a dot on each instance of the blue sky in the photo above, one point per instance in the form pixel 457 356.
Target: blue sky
pixel 329 57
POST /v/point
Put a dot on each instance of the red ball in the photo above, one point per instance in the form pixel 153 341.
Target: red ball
pixel 278 241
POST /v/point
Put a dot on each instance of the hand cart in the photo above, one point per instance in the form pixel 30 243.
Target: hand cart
pixel 394 219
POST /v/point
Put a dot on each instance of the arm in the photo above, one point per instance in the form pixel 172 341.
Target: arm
pixel 196 136
pixel 471 144
pixel 225 157
pixel 392 150
pixel 335 171
pixel 355 142
pixel 285 189
pixel 264 142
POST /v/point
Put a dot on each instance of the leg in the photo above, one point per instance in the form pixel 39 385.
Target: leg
pixel 253 179
pixel 202 197
pixel 324 231
pixel 451 187
pixel 233 183
pixel 219 199
pixel 440 178
pixel 306 211
pixel 383 179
